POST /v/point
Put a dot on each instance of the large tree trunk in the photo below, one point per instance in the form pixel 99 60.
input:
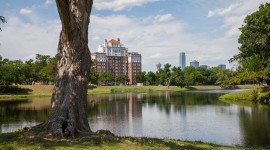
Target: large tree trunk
pixel 68 113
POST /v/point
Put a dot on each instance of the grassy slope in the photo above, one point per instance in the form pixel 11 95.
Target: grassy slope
pixel 19 140
pixel 246 95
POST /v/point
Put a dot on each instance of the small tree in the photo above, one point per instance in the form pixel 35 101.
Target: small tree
pixel 93 76
pixel 151 78
pixel 140 77
pixel 178 77
pixel 123 79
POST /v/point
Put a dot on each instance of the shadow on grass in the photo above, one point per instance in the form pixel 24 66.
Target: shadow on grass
pixel 8 90
pixel 19 140
pixel 191 88
pixel 266 89
pixel 170 144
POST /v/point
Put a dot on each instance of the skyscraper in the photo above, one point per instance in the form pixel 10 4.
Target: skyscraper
pixel 158 66
pixel 182 60
pixel 222 66
pixel 194 63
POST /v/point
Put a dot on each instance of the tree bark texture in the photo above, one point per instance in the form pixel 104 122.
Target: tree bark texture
pixel 68 114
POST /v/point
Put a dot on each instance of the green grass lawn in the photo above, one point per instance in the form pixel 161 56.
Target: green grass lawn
pixel 23 91
pixel 22 140
pixel 247 95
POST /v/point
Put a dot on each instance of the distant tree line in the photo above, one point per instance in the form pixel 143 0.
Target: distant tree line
pixel 16 71
pixel 174 76
pixel 42 69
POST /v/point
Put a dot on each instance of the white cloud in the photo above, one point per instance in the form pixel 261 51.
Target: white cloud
pixel 117 5
pixel 22 40
pixel 157 55
pixel 158 38
pixel 25 11
pixel 233 23
pixel 48 2
pixel 233 16
pixel 224 11
pixel 160 41
pixel 163 18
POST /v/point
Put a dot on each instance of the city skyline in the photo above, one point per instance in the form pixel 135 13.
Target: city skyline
pixel 194 63
pixel 206 29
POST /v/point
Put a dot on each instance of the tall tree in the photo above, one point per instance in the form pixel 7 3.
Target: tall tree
pixel 93 76
pixel 122 79
pixel 68 114
pixel 105 78
pixel 177 77
pixel 151 78
pixel 255 41
pixel 141 77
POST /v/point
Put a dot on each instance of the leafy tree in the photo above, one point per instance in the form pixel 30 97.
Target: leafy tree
pixel 93 74
pixel 28 74
pixel 10 71
pixel 189 75
pixel 151 78
pixel 123 79
pixel 167 74
pixel 164 74
pixel 47 72
pixel 40 62
pixel 203 77
pixel 105 78
pixel 178 77
pixel 141 77
pixel 223 76
pixel 254 52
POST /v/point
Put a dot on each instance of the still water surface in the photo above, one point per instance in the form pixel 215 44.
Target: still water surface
pixel 195 116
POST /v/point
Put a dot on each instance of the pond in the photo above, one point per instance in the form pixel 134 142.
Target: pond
pixel 194 116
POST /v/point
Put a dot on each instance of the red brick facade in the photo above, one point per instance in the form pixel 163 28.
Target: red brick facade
pixel 113 57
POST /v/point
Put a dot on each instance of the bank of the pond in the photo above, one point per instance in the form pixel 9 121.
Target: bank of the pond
pixel 246 96
pixel 25 91
pixel 135 89
pixel 22 140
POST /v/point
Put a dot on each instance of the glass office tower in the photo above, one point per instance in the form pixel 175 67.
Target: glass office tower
pixel 182 60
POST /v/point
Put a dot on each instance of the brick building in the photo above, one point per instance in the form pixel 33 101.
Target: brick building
pixel 134 66
pixel 113 57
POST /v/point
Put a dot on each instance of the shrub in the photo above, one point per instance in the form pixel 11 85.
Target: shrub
pixel 254 95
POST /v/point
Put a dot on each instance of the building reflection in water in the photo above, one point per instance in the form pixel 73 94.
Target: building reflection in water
pixel 122 114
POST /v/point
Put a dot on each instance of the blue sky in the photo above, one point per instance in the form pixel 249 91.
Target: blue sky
pixel 207 30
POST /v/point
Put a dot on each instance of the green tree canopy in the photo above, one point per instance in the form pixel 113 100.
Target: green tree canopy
pixel 141 77
pixel 254 55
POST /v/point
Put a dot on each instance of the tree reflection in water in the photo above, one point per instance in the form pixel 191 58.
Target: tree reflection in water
pixel 180 115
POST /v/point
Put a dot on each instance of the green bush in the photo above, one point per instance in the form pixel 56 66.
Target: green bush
pixel 254 95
